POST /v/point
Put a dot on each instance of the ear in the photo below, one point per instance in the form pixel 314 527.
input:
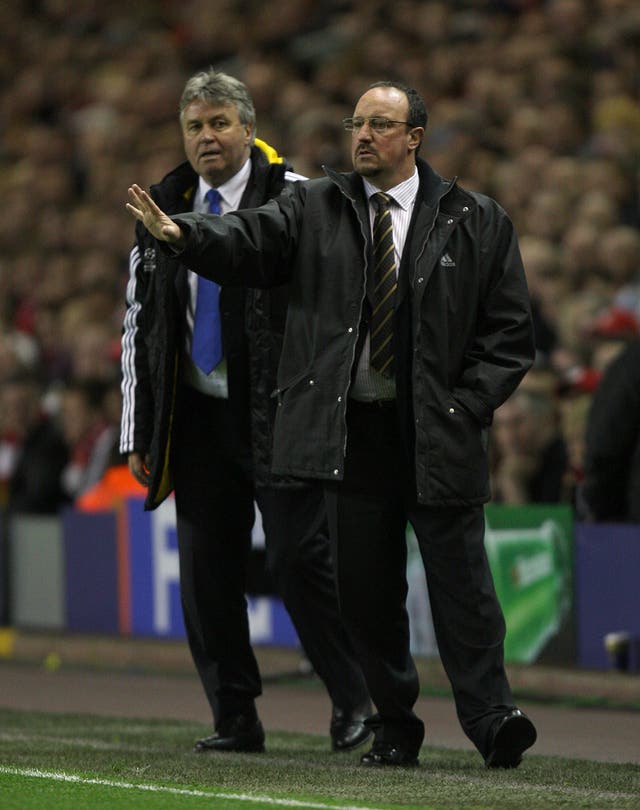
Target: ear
pixel 415 138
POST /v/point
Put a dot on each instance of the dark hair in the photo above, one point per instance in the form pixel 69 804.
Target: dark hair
pixel 417 108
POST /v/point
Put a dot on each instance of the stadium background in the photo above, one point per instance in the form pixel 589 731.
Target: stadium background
pixel 535 103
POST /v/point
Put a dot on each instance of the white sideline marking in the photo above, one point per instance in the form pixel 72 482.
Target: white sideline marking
pixel 240 797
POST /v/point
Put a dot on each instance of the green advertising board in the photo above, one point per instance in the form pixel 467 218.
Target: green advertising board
pixel 530 551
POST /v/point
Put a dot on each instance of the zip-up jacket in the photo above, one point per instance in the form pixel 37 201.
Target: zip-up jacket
pixel 154 333
pixel 465 296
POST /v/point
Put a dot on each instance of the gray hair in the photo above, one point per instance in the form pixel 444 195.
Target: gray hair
pixel 215 87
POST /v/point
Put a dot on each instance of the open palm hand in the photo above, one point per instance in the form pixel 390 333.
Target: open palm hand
pixel 153 218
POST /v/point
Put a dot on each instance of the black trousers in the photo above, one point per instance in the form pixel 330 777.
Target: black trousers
pixel 298 553
pixel 368 514
pixel 215 493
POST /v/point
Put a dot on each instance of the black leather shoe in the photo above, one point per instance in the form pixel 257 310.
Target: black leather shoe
pixel 240 733
pixel 385 754
pixel 348 729
pixel 513 734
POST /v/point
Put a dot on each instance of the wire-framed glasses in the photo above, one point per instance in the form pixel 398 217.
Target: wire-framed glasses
pixel 377 124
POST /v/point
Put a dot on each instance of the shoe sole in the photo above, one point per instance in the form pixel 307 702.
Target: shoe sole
pixel 515 736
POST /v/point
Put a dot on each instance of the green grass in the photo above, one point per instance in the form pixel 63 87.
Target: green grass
pixel 72 762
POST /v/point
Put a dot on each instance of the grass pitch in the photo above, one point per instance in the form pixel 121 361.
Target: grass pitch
pixel 72 762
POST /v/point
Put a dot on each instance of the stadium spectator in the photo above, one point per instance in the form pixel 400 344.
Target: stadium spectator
pixel 531 461
pixel 612 455
pixel 513 88
pixel 91 438
pixel 33 452
pixel 546 287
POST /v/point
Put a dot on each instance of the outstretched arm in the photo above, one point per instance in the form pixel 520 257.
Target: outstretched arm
pixel 153 218
pixel 252 248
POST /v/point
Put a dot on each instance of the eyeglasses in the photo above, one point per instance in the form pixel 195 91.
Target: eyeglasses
pixel 376 124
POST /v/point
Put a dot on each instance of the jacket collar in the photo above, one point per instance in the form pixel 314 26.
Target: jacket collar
pixel 181 183
pixel 433 187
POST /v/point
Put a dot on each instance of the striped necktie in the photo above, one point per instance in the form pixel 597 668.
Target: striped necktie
pixel 385 283
pixel 206 344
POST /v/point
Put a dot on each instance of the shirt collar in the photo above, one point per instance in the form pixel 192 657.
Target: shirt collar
pixel 403 194
pixel 230 192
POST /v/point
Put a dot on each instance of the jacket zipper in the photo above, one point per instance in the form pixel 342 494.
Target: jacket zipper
pixel 359 320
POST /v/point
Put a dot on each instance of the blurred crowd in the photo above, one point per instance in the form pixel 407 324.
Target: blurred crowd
pixel 534 103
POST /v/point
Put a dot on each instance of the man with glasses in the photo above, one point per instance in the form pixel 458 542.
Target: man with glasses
pixel 390 405
pixel 197 417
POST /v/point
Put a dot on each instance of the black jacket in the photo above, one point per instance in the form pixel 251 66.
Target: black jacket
pixel 467 331
pixel 612 458
pixel 154 335
pixel 36 483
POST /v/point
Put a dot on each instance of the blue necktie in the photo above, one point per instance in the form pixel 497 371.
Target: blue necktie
pixel 206 346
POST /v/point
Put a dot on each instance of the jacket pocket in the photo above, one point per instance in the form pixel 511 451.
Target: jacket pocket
pixel 460 468
pixel 283 387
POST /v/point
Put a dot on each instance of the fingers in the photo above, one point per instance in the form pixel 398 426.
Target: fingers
pixel 142 200
pixel 141 479
pixel 139 469
pixel 135 211
pixel 137 205
pixel 141 203
pixel 138 194
pixel 152 217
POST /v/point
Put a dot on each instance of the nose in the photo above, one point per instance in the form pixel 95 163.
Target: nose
pixel 365 132
pixel 208 133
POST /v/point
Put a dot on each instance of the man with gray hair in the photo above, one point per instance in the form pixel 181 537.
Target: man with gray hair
pixel 199 366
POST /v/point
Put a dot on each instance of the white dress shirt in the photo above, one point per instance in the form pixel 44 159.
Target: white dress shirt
pixel 369 384
pixel 215 383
